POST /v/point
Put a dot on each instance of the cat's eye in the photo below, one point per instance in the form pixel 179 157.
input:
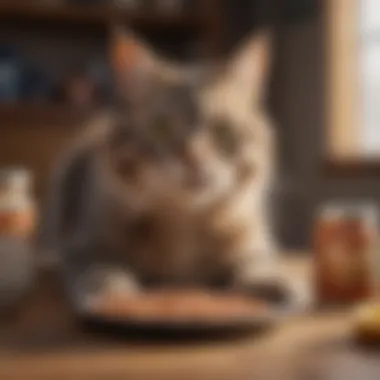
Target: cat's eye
pixel 225 137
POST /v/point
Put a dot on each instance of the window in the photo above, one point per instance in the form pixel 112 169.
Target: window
pixel 369 73
pixel 354 79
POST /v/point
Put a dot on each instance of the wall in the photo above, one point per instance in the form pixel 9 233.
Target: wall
pixel 297 100
pixel 298 108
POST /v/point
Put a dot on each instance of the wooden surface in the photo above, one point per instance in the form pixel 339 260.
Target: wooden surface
pixel 354 168
pixel 42 342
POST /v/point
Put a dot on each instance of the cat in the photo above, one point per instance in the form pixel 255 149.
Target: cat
pixel 171 188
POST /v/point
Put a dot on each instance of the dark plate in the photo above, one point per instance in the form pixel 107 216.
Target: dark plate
pixel 262 320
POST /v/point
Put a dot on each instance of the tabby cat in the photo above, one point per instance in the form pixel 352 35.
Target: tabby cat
pixel 170 189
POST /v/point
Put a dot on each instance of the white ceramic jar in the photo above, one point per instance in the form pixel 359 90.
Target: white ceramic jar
pixel 17 222
pixel 17 205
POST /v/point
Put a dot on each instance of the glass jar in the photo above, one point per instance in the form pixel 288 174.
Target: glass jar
pixel 346 249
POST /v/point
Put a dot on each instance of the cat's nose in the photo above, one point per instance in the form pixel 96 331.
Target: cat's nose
pixel 198 178
pixel 193 159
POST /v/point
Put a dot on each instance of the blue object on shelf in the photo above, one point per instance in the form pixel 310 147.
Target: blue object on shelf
pixel 10 74
pixel 35 85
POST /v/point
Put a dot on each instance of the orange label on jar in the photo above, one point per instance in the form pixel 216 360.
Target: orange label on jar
pixel 17 223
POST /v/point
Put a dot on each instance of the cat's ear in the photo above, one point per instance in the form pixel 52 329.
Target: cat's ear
pixel 247 71
pixel 135 64
pixel 128 54
pixel 132 62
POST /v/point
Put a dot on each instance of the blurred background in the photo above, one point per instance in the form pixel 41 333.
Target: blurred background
pixel 54 75
pixel 323 96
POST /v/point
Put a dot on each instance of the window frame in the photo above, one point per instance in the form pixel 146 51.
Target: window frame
pixel 342 82
pixel 342 157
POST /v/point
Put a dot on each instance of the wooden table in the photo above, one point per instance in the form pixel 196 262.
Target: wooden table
pixel 43 342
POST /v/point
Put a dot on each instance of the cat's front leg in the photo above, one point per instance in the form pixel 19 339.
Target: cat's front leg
pixel 101 281
pixel 88 275
pixel 110 280
pixel 258 272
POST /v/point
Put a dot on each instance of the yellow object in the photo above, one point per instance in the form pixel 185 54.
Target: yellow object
pixel 367 322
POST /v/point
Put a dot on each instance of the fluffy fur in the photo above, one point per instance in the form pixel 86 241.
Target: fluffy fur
pixel 173 185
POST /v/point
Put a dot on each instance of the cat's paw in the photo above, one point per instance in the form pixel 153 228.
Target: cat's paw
pixel 272 290
pixel 120 282
pixel 298 293
pixel 290 292
pixel 110 280
pixel 102 282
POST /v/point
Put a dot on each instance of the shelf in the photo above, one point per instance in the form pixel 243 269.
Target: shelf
pixel 41 115
pixel 92 15
pixel 359 168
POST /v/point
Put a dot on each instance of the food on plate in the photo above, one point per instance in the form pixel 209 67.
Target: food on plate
pixel 179 306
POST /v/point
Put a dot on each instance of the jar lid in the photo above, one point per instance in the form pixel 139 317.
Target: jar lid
pixel 344 209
